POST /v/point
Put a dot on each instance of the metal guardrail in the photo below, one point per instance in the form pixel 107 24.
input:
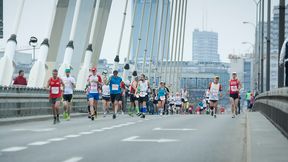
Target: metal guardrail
pixel 24 101
pixel 274 105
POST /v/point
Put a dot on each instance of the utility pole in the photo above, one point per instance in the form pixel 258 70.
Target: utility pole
pixel 268 45
pixel 281 41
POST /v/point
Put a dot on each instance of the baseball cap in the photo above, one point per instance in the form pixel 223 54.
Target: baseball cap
pixel 234 72
pixel 93 69
pixel 67 70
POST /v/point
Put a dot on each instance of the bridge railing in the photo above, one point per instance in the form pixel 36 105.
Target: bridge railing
pixel 24 101
pixel 274 105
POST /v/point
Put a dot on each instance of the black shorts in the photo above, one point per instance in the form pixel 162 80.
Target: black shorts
pixel 213 101
pixel 143 99
pixel 178 105
pixel 171 104
pixel 106 98
pixel 234 96
pixel 67 97
pixel 115 97
pixel 133 98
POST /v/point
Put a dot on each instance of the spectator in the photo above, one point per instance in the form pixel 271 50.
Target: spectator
pixel 248 99
pixel 20 79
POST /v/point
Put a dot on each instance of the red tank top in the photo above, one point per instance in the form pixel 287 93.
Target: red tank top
pixel 132 90
pixel 234 85
pixel 55 88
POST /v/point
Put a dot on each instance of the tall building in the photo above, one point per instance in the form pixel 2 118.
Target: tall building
pixel 137 25
pixel 205 46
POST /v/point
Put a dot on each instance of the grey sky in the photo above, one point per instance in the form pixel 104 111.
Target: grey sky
pixel 223 16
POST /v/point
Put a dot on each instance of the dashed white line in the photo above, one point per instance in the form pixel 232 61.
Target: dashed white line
pixel 97 130
pixel 84 133
pixel 107 128
pixel 39 143
pixel 13 149
pixel 72 136
pixel 73 159
pixel 56 139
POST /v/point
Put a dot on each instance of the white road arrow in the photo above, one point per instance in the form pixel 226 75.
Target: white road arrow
pixel 136 139
pixel 174 129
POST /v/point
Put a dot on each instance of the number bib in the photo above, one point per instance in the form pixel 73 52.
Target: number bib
pixel 55 90
pixel 115 87
pixel 234 88
pixel 162 98
pixel 143 94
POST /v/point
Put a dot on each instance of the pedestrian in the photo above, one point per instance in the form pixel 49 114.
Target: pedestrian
pixel 134 105
pixel 143 86
pixel 234 91
pixel 69 83
pixel 161 96
pixel 54 85
pixel 215 89
pixel 105 96
pixel 115 91
pixel 20 80
pixel 248 99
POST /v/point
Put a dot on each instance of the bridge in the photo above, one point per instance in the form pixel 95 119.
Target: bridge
pixel 154 43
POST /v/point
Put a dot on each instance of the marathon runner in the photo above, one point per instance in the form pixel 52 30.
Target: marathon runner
pixel 69 83
pixel 178 103
pixel 115 91
pixel 161 93
pixel 234 89
pixel 184 99
pixel 215 89
pixel 105 96
pixel 134 97
pixel 54 85
pixel 171 102
pixel 165 111
pixel 94 82
pixel 143 86
pixel 121 101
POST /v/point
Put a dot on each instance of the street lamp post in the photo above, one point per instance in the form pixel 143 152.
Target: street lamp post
pixel 33 43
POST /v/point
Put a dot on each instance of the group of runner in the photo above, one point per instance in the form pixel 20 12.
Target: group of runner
pixel 113 89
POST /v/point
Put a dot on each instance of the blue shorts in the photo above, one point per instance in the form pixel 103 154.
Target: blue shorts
pixel 94 96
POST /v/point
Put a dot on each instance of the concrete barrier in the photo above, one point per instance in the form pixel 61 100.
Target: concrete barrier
pixel 22 101
pixel 274 105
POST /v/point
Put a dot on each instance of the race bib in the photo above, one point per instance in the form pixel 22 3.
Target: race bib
pixel 115 87
pixel 55 90
pixel 162 98
pixel 143 94
pixel 234 88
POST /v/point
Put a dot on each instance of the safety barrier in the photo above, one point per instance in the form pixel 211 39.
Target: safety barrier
pixel 24 101
pixel 274 105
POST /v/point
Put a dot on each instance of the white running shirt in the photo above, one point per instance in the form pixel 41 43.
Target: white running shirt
pixel 68 89
pixel 93 79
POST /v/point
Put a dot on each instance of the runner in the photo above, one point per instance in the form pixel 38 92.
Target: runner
pixel 166 102
pixel 171 103
pixel 121 101
pixel 234 90
pixel 115 91
pixel 134 98
pixel 94 82
pixel 54 85
pixel 178 103
pixel 161 93
pixel 184 99
pixel 105 96
pixel 69 83
pixel 214 90
pixel 143 86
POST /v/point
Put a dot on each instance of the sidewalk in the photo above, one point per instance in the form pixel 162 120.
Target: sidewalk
pixel 14 120
pixel 265 143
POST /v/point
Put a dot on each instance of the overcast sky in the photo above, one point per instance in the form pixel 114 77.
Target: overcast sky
pixel 222 16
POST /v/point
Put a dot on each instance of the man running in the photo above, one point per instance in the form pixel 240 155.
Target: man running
pixel 134 98
pixel 69 83
pixel 143 86
pixel 215 89
pixel 234 89
pixel 115 91
pixel 94 82
pixel 54 85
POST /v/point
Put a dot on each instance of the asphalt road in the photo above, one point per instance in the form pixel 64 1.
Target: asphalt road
pixel 171 138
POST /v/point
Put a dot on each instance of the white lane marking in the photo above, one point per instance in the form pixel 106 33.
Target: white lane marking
pixel 72 135
pixel 13 149
pixel 174 129
pixel 56 139
pixel 84 133
pixel 97 130
pixel 136 139
pixel 39 143
pixel 107 128
pixel 74 159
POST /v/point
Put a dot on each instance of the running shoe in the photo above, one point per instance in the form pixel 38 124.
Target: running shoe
pixel 68 117
pixel 55 121
pixel 92 117
pixel 65 115
pixel 214 115
pixel 142 116
pixel 114 116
